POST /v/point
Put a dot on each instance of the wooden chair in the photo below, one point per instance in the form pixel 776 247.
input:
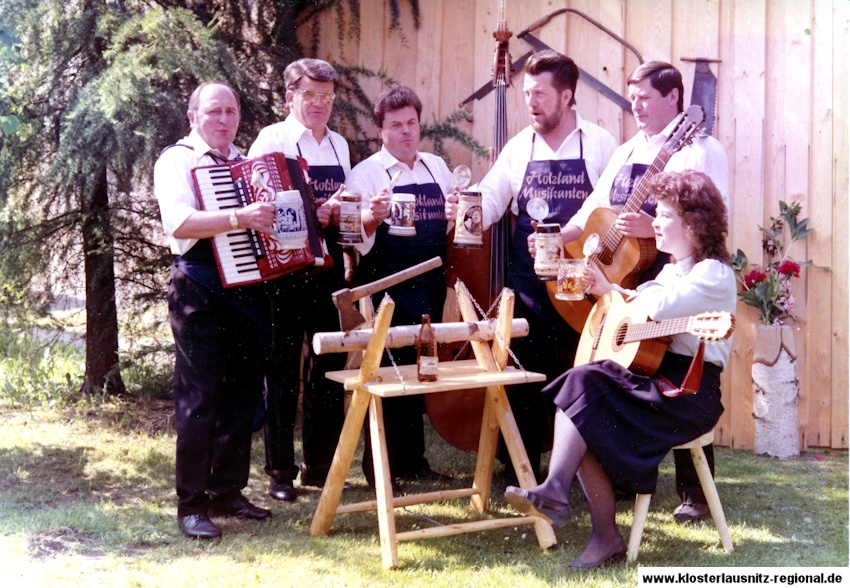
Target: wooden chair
pixel 708 487
pixel 372 383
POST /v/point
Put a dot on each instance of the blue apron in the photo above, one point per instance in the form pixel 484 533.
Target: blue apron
pixel 325 180
pixel 564 185
pixel 199 265
pixel 424 293
pixel 624 184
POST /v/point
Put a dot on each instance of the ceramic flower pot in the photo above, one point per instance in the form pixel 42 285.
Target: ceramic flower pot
pixel 776 393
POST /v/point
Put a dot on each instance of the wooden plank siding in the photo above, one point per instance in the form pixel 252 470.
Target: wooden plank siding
pixel 781 114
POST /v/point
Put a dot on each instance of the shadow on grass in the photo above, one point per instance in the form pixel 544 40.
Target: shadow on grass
pixel 97 493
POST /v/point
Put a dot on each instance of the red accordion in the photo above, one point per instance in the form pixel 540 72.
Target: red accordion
pixel 245 256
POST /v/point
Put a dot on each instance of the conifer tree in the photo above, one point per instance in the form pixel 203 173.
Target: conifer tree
pixel 92 90
pixel 99 89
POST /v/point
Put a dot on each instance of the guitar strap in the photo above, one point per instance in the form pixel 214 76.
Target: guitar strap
pixel 690 385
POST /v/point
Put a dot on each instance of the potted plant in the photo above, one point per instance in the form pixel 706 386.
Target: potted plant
pixel 774 370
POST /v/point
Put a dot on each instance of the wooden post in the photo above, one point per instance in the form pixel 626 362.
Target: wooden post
pixel 353 423
pixel 383 483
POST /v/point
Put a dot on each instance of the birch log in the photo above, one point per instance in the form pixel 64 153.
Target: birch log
pixel 405 335
pixel 776 393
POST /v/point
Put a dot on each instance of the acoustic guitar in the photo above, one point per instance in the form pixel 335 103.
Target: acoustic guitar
pixel 622 332
pixel 623 259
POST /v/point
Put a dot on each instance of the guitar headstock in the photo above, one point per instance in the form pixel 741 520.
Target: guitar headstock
pixel 712 326
pixel 687 128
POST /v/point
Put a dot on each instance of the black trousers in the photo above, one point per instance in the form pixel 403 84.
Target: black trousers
pixel 303 307
pixel 403 426
pixel 687 482
pixel 220 350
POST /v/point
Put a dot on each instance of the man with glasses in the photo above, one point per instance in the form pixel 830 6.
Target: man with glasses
pixel 303 304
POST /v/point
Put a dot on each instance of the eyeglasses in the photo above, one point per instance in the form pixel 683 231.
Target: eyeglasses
pixel 310 96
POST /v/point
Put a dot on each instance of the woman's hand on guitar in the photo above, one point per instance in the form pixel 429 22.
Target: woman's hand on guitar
pixel 635 224
pixel 451 205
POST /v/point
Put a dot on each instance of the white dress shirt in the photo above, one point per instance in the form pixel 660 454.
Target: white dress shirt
pixel 686 289
pixel 370 177
pixel 704 154
pixel 501 185
pixel 288 135
pixel 175 192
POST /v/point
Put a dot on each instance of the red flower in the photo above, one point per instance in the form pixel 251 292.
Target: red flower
pixel 789 267
pixel 754 277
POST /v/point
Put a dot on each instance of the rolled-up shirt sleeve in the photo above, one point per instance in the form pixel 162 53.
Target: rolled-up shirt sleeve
pixel 175 194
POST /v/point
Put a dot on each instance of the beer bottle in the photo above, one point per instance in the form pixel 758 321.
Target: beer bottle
pixel 426 352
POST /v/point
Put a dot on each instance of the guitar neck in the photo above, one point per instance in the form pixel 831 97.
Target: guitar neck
pixel 612 239
pixel 641 192
pixel 657 329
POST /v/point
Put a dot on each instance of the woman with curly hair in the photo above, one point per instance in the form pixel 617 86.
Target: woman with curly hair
pixel 613 427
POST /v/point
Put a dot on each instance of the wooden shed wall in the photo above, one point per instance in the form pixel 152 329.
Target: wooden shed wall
pixel 782 105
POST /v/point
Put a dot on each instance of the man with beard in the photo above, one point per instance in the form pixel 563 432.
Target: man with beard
pixel 558 159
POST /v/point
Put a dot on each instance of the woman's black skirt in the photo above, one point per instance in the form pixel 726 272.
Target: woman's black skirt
pixel 628 425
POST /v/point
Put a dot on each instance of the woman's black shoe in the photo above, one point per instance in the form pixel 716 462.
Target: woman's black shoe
pixel 529 503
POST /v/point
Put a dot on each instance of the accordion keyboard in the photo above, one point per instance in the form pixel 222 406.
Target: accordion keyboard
pixel 236 249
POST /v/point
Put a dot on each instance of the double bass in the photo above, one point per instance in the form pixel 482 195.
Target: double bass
pixel 456 416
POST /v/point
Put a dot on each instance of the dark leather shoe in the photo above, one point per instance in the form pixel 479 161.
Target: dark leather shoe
pixel 615 553
pixel 690 512
pixel 198 526
pixel 284 491
pixel 240 507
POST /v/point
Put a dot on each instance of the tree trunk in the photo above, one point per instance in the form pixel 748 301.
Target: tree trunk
pixel 102 367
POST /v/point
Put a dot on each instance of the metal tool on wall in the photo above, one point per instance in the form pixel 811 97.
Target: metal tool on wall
pixel 704 90
pixel 538 45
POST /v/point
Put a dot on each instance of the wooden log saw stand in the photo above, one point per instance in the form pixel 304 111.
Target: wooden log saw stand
pixel 370 384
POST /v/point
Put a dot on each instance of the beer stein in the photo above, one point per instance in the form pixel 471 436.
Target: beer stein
pixel 470 220
pixel 290 223
pixel 549 251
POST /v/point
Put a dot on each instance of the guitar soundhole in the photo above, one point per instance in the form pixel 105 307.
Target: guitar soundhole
pixel 620 335
pixel 606 256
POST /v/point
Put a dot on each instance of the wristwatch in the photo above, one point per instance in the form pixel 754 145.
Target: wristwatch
pixel 234 222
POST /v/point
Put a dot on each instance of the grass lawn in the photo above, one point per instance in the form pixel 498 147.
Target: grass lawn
pixel 87 498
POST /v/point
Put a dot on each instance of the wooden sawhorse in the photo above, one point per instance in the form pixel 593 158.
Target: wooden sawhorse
pixel 370 384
